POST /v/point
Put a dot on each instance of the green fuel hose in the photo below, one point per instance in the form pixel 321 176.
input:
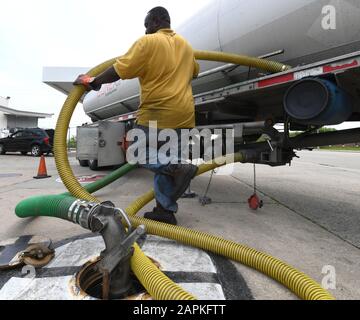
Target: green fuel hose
pixel 58 206
pixel 110 178
pixel 157 284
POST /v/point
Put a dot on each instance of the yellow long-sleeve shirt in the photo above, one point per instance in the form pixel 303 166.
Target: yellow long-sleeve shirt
pixel 165 65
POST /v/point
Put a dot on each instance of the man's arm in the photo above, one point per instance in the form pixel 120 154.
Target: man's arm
pixel 95 83
pixel 108 76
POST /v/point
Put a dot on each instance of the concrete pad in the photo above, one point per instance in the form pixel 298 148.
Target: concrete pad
pixel 56 281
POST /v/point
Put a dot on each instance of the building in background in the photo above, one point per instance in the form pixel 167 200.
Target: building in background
pixel 11 118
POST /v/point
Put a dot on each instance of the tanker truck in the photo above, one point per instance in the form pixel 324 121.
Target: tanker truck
pixel 319 39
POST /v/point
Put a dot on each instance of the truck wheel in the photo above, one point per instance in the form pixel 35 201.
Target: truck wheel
pixel 93 165
pixel 2 149
pixel 84 163
pixel 36 150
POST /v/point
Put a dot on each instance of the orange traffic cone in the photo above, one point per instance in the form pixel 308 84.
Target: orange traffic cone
pixel 42 173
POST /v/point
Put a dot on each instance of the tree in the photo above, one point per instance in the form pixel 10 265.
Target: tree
pixel 72 142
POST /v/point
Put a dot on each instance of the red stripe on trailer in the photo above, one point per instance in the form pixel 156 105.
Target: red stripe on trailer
pixel 332 68
pixel 281 79
pixel 126 117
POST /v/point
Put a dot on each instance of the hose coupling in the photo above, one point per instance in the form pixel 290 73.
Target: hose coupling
pixel 81 211
pixel 285 68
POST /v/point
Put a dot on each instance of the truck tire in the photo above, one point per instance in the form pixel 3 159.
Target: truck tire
pixel 93 165
pixel 84 163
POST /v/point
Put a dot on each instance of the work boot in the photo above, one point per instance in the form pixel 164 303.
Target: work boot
pixel 182 174
pixel 162 215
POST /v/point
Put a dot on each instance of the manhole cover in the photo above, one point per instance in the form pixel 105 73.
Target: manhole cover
pixel 10 249
pixel 10 175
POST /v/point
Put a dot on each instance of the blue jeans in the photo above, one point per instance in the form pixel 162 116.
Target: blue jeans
pixel 163 182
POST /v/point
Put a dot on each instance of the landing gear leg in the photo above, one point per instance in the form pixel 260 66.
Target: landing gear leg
pixel 254 201
pixel 188 194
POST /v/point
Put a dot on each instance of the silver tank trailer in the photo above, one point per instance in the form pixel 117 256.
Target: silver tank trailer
pixel 255 28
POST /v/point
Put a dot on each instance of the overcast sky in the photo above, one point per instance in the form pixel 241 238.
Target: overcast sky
pixel 81 33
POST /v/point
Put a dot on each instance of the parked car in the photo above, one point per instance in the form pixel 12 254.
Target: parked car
pixel 33 140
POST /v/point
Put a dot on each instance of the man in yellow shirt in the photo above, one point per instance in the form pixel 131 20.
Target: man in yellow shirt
pixel 165 65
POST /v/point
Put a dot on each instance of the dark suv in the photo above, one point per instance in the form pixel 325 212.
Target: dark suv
pixel 34 140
